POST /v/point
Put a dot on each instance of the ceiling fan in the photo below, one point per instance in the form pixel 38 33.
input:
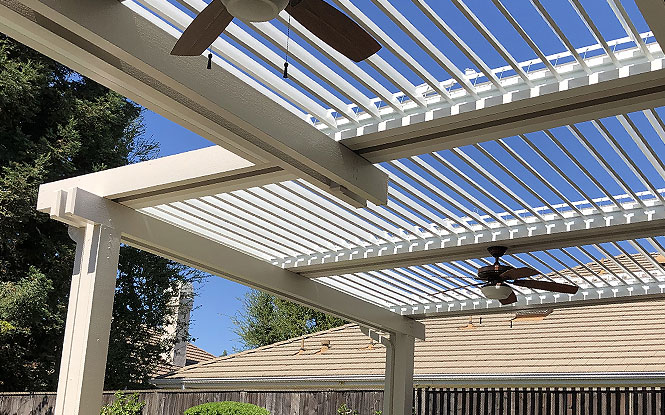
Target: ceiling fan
pixel 323 20
pixel 497 280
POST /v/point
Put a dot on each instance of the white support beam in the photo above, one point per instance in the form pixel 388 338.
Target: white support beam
pixel 398 389
pixel 208 171
pixel 653 12
pixel 110 43
pixel 583 103
pixel 89 313
pixel 538 300
pixel 618 225
pixel 79 207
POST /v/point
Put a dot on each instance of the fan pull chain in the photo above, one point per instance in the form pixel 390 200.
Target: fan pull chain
pixel 286 58
pixel 209 60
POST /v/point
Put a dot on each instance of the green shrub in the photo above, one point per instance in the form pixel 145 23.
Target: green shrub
pixel 124 405
pixel 226 408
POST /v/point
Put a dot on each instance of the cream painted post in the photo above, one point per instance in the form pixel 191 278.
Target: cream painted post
pixel 85 347
pixel 398 390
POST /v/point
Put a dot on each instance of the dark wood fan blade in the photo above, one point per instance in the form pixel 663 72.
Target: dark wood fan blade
pixel 335 28
pixel 515 273
pixel 203 30
pixel 548 286
pixel 512 298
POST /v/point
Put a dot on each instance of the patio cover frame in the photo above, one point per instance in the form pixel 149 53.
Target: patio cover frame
pixel 101 208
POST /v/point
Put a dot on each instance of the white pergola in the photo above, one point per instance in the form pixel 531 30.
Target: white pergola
pixel 355 190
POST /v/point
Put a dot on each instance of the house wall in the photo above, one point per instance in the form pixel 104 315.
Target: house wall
pixel 428 401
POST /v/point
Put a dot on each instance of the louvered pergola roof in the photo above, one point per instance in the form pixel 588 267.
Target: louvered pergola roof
pixel 539 127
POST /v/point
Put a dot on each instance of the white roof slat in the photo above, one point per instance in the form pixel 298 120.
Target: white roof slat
pixel 438 192
pixel 416 281
pixel 496 44
pixel 321 223
pixel 413 215
pixel 488 194
pixel 595 280
pixel 231 201
pixel 602 265
pixel 395 286
pixel 222 224
pixel 271 207
pixel 358 290
pixel 350 67
pixel 646 275
pixel 442 281
pixel 504 11
pixel 359 217
pixel 614 144
pixel 398 79
pixel 314 65
pixel 627 24
pixel 448 216
pixel 257 226
pixel 616 263
pixel 200 227
pixel 537 174
pixel 648 258
pixel 366 283
pixel 584 170
pixel 584 16
pixel 606 166
pixel 315 88
pixel 567 268
pixel 459 190
pixel 521 182
pixel 559 33
pixel 432 50
pixel 656 123
pixel 460 43
pixel 368 24
pixel 642 144
pixel 561 174
pixel 490 177
pixel 550 267
pixel 297 199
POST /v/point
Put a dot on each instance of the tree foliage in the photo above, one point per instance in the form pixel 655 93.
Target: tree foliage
pixel 266 319
pixel 56 124
pixel 123 405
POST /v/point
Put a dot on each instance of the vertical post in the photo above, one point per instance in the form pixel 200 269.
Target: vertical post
pixel 83 363
pixel 398 390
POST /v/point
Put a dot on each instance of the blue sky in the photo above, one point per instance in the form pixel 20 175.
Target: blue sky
pixel 218 299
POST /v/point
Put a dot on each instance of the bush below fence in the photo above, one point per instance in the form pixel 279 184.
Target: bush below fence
pixel 430 401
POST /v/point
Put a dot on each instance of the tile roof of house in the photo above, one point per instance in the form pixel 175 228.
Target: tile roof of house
pixel 624 338
pixel 193 355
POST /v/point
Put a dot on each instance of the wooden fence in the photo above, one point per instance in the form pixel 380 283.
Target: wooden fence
pixel 427 401
pixel 175 402
pixel 540 401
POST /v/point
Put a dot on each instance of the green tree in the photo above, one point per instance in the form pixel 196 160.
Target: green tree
pixel 266 319
pixel 56 124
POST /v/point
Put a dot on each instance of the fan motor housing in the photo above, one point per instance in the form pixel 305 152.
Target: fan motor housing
pixel 492 273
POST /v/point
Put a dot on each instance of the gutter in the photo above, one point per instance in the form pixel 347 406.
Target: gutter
pixel 372 382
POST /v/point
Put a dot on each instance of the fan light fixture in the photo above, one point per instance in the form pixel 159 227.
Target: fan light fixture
pixel 496 291
pixel 255 10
